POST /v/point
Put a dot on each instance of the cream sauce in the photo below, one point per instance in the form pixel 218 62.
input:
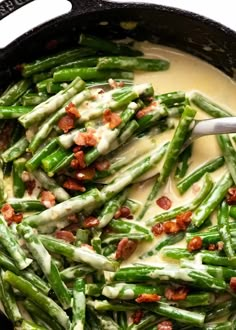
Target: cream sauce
pixel 186 73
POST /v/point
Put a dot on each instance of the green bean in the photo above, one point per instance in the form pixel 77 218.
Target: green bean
pixel 72 273
pixel 193 177
pixel 29 325
pixel 213 199
pixel 33 99
pixel 14 92
pixel 16 150
pixel 14 111
pixel 208 105
pixel 132 63
pixel 172 154
pixel 46 264
pixel 41 111
pixel 78 254
pixel 84 62
pixel 44 64
pixel 183 162
pixel 25 205
pixel 224 229
pixel 108 46
pixel 89 74
pixel 9 241
pixel 169 240
pixel 42 153
pixel 34 310
pixel 18 184
pixel 79 305
pixel 8 299
pixel 43 302
pixel 229 153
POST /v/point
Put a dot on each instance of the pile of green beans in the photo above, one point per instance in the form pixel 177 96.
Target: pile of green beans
pixel 66 274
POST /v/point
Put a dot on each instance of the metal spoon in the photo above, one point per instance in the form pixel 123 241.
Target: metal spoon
pixel 211 127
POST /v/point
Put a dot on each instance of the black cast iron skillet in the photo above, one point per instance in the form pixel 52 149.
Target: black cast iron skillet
pixel 173 27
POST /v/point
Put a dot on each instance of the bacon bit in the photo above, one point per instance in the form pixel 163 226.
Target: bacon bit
pixel 195 244
pixel 165 325
pixel 66 123
pixel 76 149
pixel 176 294
pixel 73 218
pixel 164 202
pixel 157 229
pixel 79 161
pixel 65 235
pixel 85 174
pixel 101 91
pixel 141 113
pixel 9 214
pixel 48 199
pixel 220 245
pixel 90 222
pixel 147 298
pixel 102 165
pixel 112 118
pixel 123 212
pixel 72 184
pixel 72 110
pixel 211 247
pixel 86 139
pixel 125 248
pixel 114 84
pixel 51 44
pixel 231 197
pixel 5 136
pixel 183 219
pixel 30 185
pixel 170 227
pixel 137 316
pixel 73 227
pixel 232 284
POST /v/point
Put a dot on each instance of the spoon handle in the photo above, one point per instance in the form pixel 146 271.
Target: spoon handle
pixel 214 126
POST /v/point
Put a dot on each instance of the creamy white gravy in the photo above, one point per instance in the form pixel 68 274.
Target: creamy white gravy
pixel 186 73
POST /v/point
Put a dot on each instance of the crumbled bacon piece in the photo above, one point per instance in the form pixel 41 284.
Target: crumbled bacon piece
pixel 9 214
pixel 195 244
pixel 90 222
pixel 164 202
pixel 72 184
pixel 66 123
pixel 86 139
pixel 73 218
pixel 141 113
pixel 72 110
pixel 212 247
pixel 73 227
pixel 232 284
pixel 79 161
pixel 165 325
pixel 102 165
pixel 137 316
pixel 170 227
pixel 30 185
pixel 65 235
pixel 157 229
pixel 5 135
pixel 76 149
pixel 148 298
pixel 231 196
pixel 112 118
pixel 176 294
pixel 123 212
pixel 115 84
pixel 85 174
pixel 184 219
pixel 125 248
pixel 48 199
pixel 51 44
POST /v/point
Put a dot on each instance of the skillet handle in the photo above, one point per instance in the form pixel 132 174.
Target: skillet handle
pixel 9 6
